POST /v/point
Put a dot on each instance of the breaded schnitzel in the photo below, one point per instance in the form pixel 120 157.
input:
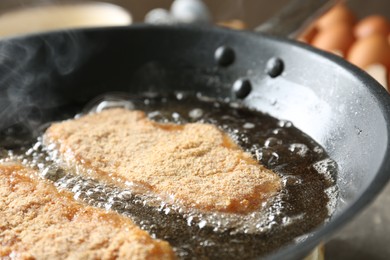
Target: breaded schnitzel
pixel 195 164
pixel 39 222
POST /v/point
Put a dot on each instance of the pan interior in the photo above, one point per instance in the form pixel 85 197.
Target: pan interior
pixel 305 201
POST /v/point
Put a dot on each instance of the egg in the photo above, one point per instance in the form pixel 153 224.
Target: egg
pixel 159 16
pixel 337 38
pixel 371 25
pixel 370 50
pixel 378 72
pixel 388 80
pixel 233 24
pixel 190 11
pixel 339 14
pixel 308 35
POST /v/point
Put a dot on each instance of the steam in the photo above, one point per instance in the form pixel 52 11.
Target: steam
pixel 28 68
pixel 65 51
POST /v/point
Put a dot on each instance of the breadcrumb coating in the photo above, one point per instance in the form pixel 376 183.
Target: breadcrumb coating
pixel 39 222
pixel 196 164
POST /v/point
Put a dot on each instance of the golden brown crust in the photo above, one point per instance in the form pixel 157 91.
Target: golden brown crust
pixel 197 164
pixel 38 222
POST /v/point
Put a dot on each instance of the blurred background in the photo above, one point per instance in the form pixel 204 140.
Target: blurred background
pixel 364 238
pixel 252 12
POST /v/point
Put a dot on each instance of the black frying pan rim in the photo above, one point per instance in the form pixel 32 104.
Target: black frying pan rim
pixel 379 181
pixel 379 93
pixel 382 176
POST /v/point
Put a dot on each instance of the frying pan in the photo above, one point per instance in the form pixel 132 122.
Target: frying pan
pixel 50 76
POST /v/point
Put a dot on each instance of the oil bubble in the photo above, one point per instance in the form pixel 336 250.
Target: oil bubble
pixel 272 141
pixel 113 104
pixel 176 117
pixel 196 113
pixel 327 168
pixel 248 125
pixel 285 124
pixel 299 149
pixel 279 131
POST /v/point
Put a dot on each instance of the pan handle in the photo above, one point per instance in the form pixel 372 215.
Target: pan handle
pixel 296 16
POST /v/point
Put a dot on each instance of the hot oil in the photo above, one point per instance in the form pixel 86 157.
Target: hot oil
pixel 306 201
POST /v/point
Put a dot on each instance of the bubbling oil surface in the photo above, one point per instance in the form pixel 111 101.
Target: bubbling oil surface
pixel 306 201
